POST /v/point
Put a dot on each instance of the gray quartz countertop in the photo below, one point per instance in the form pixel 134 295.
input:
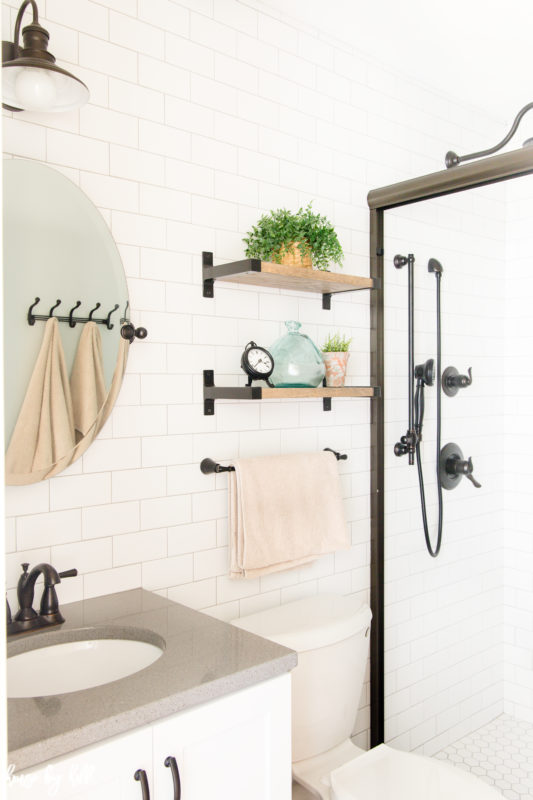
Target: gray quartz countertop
pixel 203 659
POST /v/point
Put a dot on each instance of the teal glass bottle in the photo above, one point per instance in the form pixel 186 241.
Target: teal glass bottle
pixel 297 360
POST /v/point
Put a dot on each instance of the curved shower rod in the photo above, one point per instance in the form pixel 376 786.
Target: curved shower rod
pixel 452 159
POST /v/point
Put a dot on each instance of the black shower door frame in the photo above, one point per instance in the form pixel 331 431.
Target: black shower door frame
pixel 484 172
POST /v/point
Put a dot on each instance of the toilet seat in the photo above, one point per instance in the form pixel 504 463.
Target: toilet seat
pixel 387 773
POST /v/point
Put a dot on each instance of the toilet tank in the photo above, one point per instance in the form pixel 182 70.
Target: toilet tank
pixel 331 635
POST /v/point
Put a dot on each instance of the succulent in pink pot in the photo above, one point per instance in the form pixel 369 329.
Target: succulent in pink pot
pixel 335 354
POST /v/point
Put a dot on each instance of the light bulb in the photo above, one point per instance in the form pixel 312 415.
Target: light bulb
pixel 34 89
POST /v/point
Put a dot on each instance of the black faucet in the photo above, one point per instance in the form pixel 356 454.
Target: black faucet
pixel 26 618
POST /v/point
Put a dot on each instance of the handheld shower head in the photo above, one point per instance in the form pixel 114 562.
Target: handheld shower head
pixel 425 373
pixel 435 266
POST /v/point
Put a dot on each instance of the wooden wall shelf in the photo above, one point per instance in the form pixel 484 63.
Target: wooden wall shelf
pixel 266 274
pixel 212 393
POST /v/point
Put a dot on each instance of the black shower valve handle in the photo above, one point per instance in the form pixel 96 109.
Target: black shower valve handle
pixel 464 380
pixel 466 468
pixel 452 381
pixel 469 474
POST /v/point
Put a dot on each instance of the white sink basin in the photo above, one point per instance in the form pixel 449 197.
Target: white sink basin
pixel 72 666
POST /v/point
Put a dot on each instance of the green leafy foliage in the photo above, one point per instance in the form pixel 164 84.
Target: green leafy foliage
pixel 271 238
pixel 335 343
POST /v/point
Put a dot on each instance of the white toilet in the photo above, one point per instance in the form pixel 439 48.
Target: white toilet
pixel 331 636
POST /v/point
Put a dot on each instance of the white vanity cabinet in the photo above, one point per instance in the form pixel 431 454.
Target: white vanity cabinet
pixel 104 771
pixel 237 747
pixel 234 748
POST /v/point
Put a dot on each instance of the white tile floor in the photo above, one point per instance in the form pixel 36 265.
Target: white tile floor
pixel 500 753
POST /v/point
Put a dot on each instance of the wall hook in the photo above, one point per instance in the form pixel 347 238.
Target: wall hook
pixel 31 318
pixel 71 321
pixel 125 317
pixel 108 318
pixel 97 306
pixel 51 314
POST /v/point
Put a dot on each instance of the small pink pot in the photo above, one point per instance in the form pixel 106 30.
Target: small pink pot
pixel 336 364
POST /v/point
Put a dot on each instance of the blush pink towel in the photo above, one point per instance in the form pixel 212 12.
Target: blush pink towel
pixel 284 511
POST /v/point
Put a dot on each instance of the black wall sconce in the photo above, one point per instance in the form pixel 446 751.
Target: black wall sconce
pixel 31 80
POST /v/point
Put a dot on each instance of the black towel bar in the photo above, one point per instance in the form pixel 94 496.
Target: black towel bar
pixel 208 466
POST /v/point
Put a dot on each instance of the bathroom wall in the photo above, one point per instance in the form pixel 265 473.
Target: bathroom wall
pixel 519 445
pixel 203 114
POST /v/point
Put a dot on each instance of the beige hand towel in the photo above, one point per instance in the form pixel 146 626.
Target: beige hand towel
pixel 87 382
pixel 284 511
pixel 120 368
pixel 109 401
pixel 43 438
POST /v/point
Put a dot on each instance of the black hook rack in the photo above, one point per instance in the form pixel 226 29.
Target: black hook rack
pixel 208 466
pixel 70 318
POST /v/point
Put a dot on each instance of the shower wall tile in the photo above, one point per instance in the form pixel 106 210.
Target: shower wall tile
pixel 203 116
pixel 448 611
pixel 517 466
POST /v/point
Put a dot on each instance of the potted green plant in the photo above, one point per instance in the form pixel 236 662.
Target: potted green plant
pixel 301 239
pixel 335 354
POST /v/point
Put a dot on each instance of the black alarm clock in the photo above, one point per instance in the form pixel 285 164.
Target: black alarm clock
pixel 257 363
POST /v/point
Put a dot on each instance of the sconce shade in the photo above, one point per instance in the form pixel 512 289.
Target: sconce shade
pixel 31 80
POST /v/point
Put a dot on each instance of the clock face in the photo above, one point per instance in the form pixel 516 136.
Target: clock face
pixel 259 360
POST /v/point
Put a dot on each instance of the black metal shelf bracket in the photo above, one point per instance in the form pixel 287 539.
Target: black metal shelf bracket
pixel 212 392
pixel 210 272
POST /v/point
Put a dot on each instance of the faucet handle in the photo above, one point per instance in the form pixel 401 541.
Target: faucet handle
pixel 68 573
pixel 20 588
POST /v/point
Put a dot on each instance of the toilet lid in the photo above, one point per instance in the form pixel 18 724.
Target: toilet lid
pixel 387 773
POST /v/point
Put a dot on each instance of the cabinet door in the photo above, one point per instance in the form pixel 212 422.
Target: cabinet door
pixel 234 748
pixel 104 771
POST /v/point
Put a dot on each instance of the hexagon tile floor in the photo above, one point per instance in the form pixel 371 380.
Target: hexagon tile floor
pixel 500 753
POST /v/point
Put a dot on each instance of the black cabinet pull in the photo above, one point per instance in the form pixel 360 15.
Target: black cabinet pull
pixel 140 775
pixel 171 762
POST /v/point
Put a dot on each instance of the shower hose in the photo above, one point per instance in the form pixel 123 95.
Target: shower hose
pixel 419 418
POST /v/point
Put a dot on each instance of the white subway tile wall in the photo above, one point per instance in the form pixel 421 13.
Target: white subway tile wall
pixel 444 616
pixel 517 465
pixel 203 115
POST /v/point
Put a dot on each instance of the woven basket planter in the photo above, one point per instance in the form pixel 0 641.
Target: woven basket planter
pixel 292 257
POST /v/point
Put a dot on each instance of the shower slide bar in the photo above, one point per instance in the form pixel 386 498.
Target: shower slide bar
pixel 208 466
pixel 424 374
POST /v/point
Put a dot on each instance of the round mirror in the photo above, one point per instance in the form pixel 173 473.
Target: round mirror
pixel 61 377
